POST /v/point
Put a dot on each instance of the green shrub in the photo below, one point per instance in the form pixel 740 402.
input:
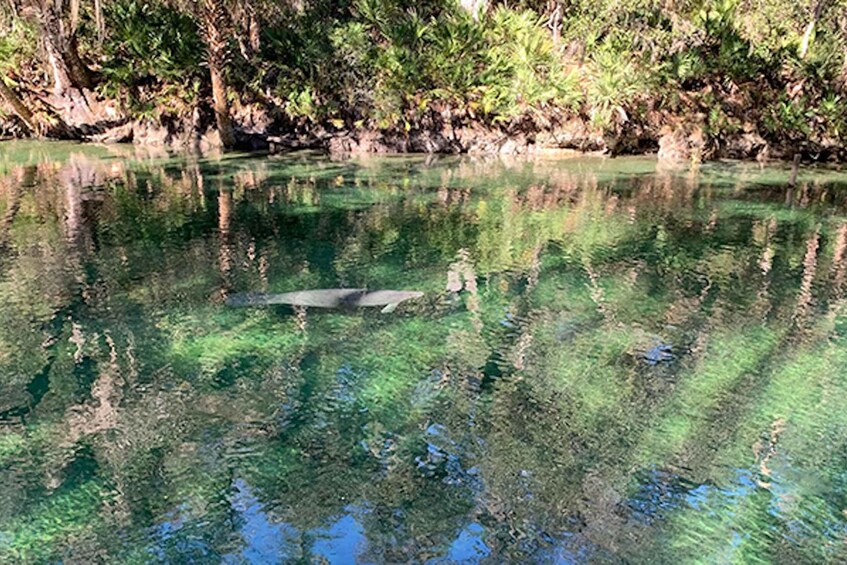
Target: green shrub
pixel 833 112
pixel 614 83
pixel 152 51
pixel 456 53
pixel 523 71
pixel 392 63
pixel 789 118
pixel 18 44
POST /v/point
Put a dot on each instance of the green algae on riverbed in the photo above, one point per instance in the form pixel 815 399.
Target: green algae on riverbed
pixel 513 417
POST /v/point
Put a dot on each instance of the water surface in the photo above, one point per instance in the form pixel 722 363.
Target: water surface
pixel 611 363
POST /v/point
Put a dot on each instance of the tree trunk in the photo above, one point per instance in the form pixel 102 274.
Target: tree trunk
pixel 61 74
pixel 806 42
pixel 81 75
pixel 68 69
pixel 74 14
pixel 98 20
pixel 254 31
pixel 215 24
pixel 18 106
pixel 221 106
pixel 249 37
pixel 841 82
pixel 554 22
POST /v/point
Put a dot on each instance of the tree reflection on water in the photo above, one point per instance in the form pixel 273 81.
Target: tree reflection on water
pixel 513 413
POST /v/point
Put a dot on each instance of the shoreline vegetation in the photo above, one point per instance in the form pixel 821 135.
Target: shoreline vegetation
pixel 688 80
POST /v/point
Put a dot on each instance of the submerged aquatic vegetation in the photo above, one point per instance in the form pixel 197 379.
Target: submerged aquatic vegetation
pixel 608 362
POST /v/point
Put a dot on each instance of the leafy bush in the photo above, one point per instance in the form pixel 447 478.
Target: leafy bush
pixel 18 44
pixel 394 63
pixel 524 70
pixel 789 118
pixel 151 51
pixel 391 64
pixel 614 83
pixel 833 113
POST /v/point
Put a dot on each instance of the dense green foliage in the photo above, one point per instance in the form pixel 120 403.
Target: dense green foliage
pixel 719 64
pixel 17 45
pixel 153 51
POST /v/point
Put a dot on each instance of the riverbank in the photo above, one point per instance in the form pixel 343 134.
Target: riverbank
pixel 688 83
pixel 669 137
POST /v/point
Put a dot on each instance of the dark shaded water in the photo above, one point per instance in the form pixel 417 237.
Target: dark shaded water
pixel 610 364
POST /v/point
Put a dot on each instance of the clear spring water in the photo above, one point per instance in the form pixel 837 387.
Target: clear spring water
pixel 610 364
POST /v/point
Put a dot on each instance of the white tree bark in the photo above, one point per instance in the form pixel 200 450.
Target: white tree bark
pixel 810 29
pixel 475 7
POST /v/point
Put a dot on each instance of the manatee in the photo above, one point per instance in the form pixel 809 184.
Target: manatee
pixel 328 298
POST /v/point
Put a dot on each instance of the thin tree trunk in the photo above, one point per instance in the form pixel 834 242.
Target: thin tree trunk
pixel 215 20
pixel 249 37
pixel 255 31
pixel 74 16
pixel 841 81
pixel 805 43
pixel 98 20
pixel 554 22
pixel 18 106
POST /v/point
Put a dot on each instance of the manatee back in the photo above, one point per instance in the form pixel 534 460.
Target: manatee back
pixel 325 298
pixel 387 297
